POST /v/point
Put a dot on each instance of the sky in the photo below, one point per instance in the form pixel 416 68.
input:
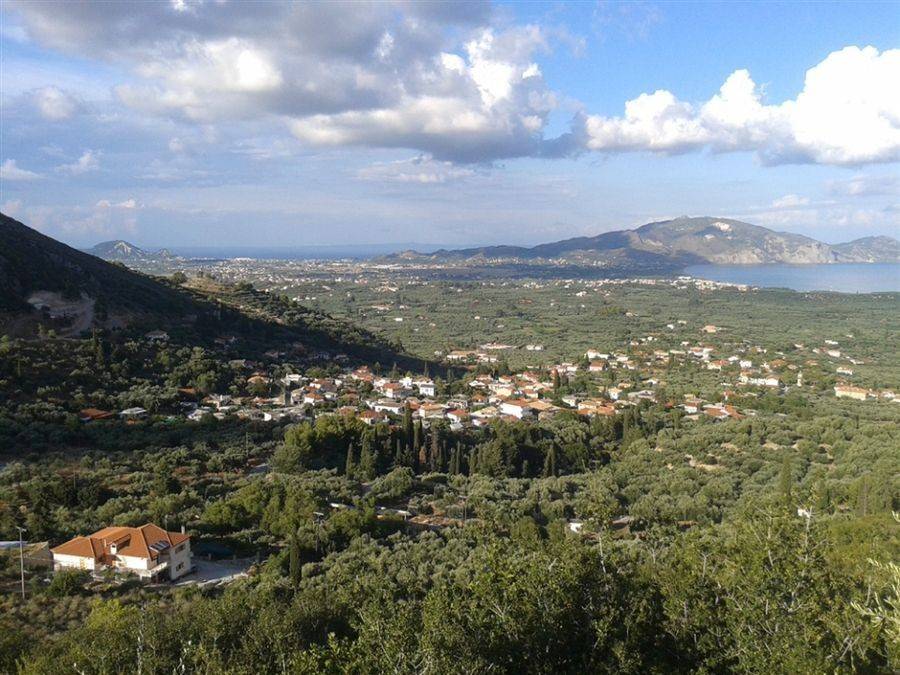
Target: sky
pixel 222 123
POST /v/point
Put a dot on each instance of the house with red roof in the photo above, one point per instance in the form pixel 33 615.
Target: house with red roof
pixel 149 552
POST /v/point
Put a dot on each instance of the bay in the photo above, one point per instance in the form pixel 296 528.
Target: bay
pixel 842 278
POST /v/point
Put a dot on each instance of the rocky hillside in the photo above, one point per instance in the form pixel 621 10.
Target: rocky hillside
pixel 869 249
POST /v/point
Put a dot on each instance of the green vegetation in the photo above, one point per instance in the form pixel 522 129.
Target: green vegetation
pixel 646 541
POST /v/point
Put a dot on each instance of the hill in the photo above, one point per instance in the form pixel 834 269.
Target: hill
pixel 680 242
pixel 123 251
pixel 870 249
pixel 31 263
pixel 43 281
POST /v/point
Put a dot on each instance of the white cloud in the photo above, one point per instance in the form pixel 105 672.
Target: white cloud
pixel 385 74
pixel 11 207
pixel 89 161
pixel 54 104
pixel 488 104
pixel 9 171
pixel 790 202
pixel 126 204
pixel 452 80
pixel 422 170
pixel 865 186
pixel 847 113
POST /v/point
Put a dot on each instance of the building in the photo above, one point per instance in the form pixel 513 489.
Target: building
pixel 848 391
pixel 426 388
pixel 91 414
pixel 518 408
pixel 388 406
pixel 431 411
pixel 148 551
pixel 370 417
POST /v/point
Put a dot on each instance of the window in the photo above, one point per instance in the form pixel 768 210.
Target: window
pixel 179 549
pixel 179 566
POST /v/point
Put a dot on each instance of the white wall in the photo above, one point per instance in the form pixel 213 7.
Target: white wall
pixel 61 561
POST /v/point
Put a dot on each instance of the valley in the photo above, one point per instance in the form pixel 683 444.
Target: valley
pixel 350 429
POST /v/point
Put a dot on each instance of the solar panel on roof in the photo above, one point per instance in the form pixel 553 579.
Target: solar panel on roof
pixel 160 545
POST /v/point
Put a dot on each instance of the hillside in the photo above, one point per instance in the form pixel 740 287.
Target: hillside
pixel 684 241
pixel 869 249
pixel 76 292
pixel 31 263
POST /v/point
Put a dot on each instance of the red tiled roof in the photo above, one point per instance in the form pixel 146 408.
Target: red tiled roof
pixel 129 541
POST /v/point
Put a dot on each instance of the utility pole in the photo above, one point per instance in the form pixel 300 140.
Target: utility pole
pixel 21 559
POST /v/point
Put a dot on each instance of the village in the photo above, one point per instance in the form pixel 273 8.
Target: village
pixel 600 382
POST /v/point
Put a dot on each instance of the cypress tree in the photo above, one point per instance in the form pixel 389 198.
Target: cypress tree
pixel 295 568
pixel 550 462
pixel 349 468
pixel 435 458
pixel 366 460
pixel 454 460
pixel 407 426
pixel 417 434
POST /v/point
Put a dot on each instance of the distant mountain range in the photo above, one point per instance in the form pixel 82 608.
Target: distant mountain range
pixel 123 251
pixel 679 242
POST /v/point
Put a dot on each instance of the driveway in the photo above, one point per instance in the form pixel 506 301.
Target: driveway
pixel 212 572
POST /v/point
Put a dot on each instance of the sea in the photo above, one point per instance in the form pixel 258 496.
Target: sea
pixel 841 278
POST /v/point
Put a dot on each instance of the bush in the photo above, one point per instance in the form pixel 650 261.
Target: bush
pixel 68 582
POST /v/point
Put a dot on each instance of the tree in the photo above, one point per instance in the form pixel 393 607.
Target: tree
pixel 349 467
pixel 295 568
pixel 366 459
pixel 550 461
pixel 786 480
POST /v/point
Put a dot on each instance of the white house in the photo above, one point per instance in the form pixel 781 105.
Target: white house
pixel 426 388
pixel 147 551
pixel 388 406
pixel 519 408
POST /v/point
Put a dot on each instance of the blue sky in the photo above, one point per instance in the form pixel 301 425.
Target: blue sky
pixel 200 123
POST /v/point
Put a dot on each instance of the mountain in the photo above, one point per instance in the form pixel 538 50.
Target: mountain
pixel 869 249
pixel 680 242
pixel 43 281
pixel 123 251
